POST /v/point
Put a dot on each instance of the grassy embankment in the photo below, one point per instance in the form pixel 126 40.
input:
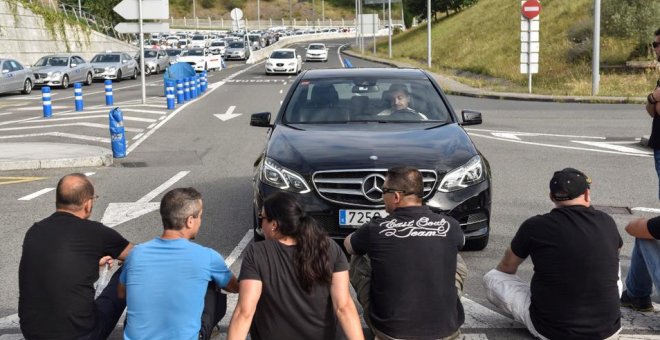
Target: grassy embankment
pixel 480 46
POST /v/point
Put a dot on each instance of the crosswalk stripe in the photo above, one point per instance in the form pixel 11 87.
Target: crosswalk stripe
pixel 36 194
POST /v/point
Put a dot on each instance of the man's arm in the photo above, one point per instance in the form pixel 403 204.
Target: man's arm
pixel 652 108
pixel 245 308
pixel 124 253
pixel 232 286
pixel 348 246
pixel 639 228
pixel 121 291
pixel 510 262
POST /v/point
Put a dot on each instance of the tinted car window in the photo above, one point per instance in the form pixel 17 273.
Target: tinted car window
pixel 173 52
pixel 106 58
pixel 282 55
pixel 316 47
pixel 236 45
pixel 364 100
pixel 15 66
pixel 52 61
pixel 150 54
pixel 6 66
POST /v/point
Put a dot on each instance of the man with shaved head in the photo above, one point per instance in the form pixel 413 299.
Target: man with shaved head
pixel 59 265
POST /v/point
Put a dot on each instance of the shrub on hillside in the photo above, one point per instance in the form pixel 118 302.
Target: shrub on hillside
pixel 580 36
pixel 636 19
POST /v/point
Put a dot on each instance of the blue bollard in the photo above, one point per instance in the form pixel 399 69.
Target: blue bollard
pixel 204 82
pixel 45 97
pixel 109 100
pixel 170 95
pixel 77 94
pixel 348 63
pixel 198 85
pixel 193 88
pixel 117 134
pixel 179 92
pixel 186 89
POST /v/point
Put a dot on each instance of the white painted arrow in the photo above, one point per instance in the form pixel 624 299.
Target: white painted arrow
pixel 118 213
pixel 506 135
pixel 228 115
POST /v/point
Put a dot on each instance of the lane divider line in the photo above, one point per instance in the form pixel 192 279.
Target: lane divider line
pixel 36 194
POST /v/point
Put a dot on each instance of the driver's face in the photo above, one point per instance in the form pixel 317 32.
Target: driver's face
pixel 399 100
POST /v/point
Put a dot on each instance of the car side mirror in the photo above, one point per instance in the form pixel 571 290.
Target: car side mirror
pixel 260 119
pixel 5 71
pixel 471 117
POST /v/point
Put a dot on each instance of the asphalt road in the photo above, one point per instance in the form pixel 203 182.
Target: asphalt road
pixel 525 142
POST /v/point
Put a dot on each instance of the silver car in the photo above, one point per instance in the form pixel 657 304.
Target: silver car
pixel 15 77
pixel 237 50
pixel 62 70
pixel 155 61
pixel 114 65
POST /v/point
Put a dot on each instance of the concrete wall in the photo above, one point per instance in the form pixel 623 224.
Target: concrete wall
pixel 25 37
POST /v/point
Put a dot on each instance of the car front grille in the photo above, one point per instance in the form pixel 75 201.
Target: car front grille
pixel 40 75
pixel 361 187
pixel 99 70
pixel 279 64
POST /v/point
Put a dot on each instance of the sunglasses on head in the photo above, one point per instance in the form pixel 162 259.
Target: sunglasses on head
pixel 655 44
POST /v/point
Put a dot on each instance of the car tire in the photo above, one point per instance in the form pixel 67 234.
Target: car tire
pixel 157 69
pixel 476 243
pixel 119 75
pixel 89 79
pixel 65 81
pixel 257 237
pixel 27 86
pixel 135 73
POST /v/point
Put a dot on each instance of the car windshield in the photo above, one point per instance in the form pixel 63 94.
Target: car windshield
pixel 53 61
pixel 150 54
pixel 282 55
pixel 106 58
pixel 365 100
pixel 217 43
pixel 316 47
pixel 236 45
pixel 198 37
pixel 196 53
pixel 173 53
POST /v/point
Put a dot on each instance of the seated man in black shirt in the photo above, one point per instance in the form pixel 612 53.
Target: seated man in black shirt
pixel 644 269
pixel 574 292
pixel 410 291
pixel 59 265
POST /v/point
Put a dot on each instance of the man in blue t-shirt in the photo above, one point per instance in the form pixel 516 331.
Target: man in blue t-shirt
pixel 644 269
pixel 172 284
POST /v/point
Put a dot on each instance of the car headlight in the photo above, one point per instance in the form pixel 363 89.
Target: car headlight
pixel 269 64
pixel 274 174
pixel 464 176
pixel 291 64
pixel 55 74
pixel 111 69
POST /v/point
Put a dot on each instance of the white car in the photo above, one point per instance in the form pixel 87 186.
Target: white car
pixel 316 51
pixel 284 60
pixel 201 59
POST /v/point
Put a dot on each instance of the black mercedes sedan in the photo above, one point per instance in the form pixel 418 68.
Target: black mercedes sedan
pixel 339 130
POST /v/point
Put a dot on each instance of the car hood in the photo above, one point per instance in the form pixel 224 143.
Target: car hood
pixel 313 147
pixel 289 60
pixel 46 69
pixel 317 51
pixel 235 50
pixel 104 65
pixel 190 58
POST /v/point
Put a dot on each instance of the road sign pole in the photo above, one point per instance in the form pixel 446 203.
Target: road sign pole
pixel 142 78
pixel 595 60
pixel 428 31
pixel 389 14
pixel 529 55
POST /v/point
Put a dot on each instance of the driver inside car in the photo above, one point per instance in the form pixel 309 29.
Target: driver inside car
pixel 399 99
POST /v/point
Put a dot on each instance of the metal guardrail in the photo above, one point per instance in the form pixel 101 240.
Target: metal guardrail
pixel 227 24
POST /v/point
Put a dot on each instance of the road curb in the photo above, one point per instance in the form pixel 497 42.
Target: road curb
pixel 33 156
pixel 448 86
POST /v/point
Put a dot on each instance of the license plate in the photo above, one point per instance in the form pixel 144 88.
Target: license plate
pixel 353 218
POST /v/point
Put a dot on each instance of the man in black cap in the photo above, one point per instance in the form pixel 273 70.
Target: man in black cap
pixel 574 293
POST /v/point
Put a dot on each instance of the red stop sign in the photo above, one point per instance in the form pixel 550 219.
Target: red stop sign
pixel 531 8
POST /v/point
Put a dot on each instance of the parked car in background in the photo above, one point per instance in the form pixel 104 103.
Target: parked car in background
pixel 316 51
pixel 155 61
pixel 331 145
pixel 114 65
pixel 201 59
pixel 198 41
pixel 62 70
pixel 15 77
pixel 174 54
pixel 237 50
pixel 284 60
pixel 218 47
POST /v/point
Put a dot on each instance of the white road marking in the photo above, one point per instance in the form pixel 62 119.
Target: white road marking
pixel 120 212
pixel 506 135
pixel 144 111
pixel 9 322
pixel 60 134
pixel 7 113
pixel 137 136
pixel 651 210
pixel 151 126
pixel 12 337
pixel 161 118
pixel 93 125
pixel 229 114
pixel 40 108
pixel 92 116
pixel 520 133
pixel 19 121
pixel 36 194
pixel 613 146
pixel 561 146
pixel 88 174
pixel 212 88
pixel 281 91
pixel 233 256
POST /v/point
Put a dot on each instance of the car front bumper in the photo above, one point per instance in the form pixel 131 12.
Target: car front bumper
pixel 316 57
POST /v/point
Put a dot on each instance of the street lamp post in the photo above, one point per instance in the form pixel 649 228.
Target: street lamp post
pixel 258 16
pixel 290 21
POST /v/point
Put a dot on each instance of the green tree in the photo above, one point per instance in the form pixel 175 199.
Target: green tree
pixel 636 19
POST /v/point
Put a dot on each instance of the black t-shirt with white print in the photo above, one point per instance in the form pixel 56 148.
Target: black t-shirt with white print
pixel 413 259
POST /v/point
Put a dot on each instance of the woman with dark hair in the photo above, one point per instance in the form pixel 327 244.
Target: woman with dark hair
pixel 293 285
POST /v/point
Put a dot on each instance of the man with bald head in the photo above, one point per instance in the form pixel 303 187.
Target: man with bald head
pixel 60 263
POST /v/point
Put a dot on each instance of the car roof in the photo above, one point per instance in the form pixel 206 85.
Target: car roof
pixel 404 73
pixel 285 50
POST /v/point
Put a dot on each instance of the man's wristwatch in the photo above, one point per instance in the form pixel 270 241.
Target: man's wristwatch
pixel 651 99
